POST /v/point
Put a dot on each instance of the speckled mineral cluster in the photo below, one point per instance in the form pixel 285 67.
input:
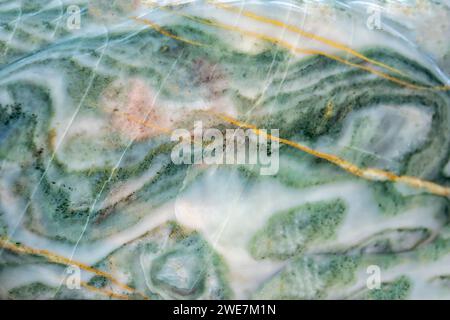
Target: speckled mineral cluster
pixel 92 205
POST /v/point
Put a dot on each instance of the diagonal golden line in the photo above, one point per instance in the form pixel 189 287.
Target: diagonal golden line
pixel 104 291
pixel 166 33
pixel 373 174
pixel 147 123
pixel 289 46
pixel 55 258
pixel 306 34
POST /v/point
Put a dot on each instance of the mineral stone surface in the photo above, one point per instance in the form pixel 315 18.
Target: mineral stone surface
pixel 224 149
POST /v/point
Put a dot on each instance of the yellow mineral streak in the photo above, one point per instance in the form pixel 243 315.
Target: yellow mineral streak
pixel 104 291
pixel 372 174
pixel 326 41
pixel 329 110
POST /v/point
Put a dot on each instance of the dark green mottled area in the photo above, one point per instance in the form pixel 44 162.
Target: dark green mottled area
pixel 16 129
pixel 32 291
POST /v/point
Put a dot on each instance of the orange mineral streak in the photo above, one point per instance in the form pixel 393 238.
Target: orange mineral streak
pixel 104 291
pixel 366 173
pixel 329 110
pixel 153 25
pixel 372 174
pixel 330 43
pixel 55 258
pixel 306 34
pixel 295 49
pixel 133 99
pixel 112 11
